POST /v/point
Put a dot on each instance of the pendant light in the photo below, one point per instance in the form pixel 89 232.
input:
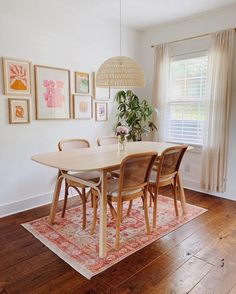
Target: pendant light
pixel 120 71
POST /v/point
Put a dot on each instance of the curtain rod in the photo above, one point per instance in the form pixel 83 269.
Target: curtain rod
pixel 190 38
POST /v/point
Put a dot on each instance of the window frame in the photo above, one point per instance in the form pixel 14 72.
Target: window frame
pixel 169 101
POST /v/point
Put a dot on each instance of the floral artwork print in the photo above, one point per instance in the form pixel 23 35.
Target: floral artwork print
pixel 52 87
pixel 101 111
pixel 82 82
pixel 53 95
pixel 79 248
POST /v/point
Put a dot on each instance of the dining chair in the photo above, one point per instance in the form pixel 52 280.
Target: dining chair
pixel 133 182
pixel 70 144
pixel 107 140
pixel 165 172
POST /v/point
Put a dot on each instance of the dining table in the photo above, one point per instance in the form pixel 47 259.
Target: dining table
pixel 104 159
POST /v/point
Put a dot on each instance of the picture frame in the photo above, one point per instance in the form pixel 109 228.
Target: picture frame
pixel 101 111
pixel 100 93
pixel 52 92
pixel 82 82
pixel 16 77
pixel 19 110
pixel 83 106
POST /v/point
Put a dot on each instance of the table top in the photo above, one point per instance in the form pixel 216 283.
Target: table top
pixel 96 158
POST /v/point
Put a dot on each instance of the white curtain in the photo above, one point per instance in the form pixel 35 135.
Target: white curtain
pixel 215 146
pixel 160 88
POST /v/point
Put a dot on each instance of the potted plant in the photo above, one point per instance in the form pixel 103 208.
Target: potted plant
pixel 135 114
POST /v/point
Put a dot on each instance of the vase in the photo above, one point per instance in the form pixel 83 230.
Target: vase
pixel 122 141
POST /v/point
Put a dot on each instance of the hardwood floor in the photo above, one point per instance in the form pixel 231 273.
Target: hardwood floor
pixel 197 258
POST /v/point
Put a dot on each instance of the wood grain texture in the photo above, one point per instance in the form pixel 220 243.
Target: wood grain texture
pixel 85 159
pixel 199 257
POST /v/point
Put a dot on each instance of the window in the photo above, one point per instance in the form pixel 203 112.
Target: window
pixel 186 106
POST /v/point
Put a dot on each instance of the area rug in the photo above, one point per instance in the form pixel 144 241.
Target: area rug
pixel 79 248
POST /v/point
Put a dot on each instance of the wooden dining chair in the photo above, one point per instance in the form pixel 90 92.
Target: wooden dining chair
pixel 71 144
pixel 107 140
pixel 164 173
pixel 135 171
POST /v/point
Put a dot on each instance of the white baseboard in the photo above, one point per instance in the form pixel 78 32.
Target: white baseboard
pixel 196 186
pixel 27 203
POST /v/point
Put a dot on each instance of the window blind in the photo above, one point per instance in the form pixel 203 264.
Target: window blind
pixel 186 106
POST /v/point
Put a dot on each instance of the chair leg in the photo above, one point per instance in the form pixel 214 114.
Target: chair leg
pixel 150 194
pixel 154 221
pixel 118 222
pixel 129 208
pixel 93 196
pixel 83 197
pixel 146 213
pixel 174 189
pixel 112 210
pixel 65 199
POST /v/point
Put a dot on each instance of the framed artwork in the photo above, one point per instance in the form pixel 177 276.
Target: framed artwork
pixel 83 107
pixel 17 76
pixel 82 84
pixel 101 110
pixel 52 89
pixel 100 93
pixel 19 111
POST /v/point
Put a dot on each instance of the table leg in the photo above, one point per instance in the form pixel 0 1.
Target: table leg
pixel 182 194
pixel 55 199
pixel 103 217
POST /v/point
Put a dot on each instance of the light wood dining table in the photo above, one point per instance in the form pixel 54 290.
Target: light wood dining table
pixel 103 159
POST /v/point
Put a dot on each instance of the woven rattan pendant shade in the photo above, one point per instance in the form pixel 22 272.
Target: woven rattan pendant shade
pixel 120 72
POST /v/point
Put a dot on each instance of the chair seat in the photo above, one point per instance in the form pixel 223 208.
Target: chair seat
pixel 153 178
pixel 87 176
pixel 115 173
pixel 112 189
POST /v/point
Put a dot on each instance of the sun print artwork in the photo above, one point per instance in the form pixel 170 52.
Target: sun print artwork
pixel 82 106
pixel 16 76
pixel 18 79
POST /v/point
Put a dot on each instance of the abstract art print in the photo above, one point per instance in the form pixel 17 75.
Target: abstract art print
pixel 19 111
pixel 82 107
pixel 101 111
pixel 17 77
pixel 82 82
pixel 52 86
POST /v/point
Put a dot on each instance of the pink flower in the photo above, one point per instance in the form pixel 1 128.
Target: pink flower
pixel 122 130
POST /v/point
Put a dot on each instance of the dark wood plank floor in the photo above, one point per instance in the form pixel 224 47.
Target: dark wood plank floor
pixel 197 258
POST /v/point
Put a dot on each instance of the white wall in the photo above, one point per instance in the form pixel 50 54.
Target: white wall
pixel 206 23
pixel 49 33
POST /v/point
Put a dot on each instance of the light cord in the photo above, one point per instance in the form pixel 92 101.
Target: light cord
pixel 120 28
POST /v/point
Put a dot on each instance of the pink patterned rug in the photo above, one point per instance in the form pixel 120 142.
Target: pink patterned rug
pixel 80 250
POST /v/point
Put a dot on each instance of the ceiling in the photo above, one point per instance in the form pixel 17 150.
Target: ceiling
pixel 143 14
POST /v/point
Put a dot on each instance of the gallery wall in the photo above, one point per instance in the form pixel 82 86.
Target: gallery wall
pixel 49 33
pixel 193 26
